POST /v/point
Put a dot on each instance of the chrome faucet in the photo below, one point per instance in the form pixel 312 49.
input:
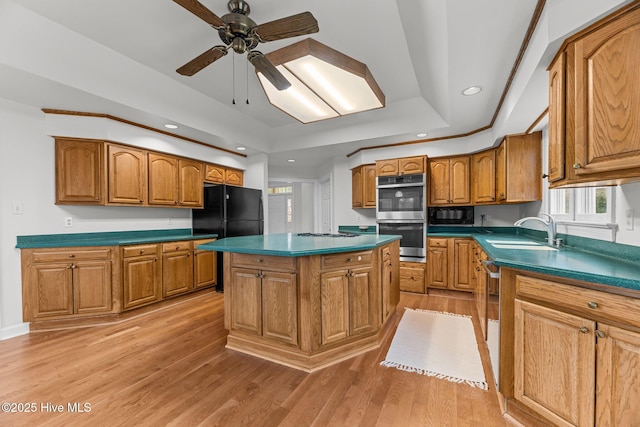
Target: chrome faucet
pixel 550 225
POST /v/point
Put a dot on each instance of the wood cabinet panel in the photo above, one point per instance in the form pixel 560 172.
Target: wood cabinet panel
pixel 401 166
pixel 607 68
pixel 142 280
pixel 463 264
pixel 279 307
pixel 363 187
pixel 450 181
pixel 264 261
pixel 163 179
pixel 361 301
pixel 220 175
pixel 190 183
pixel 554 365
pixel 92 287
pixel 79 171
pixel 387 167
pixel 177 272
pixel 617 393
pixel 205 268
pixel 519 168
pixel 483 171
pixel 334 296
pixel 437 266
pixel 234 177
pixel 127 175
pixel 54 290
pixel 346 260
pixel 412 277
pixel 246 286
pixel 556 134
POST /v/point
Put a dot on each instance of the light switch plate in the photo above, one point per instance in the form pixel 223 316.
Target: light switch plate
pixel 628 220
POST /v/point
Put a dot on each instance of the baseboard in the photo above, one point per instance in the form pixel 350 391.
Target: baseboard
pixel 14 331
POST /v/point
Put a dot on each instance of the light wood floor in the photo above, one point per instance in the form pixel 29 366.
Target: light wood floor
pixel 170 367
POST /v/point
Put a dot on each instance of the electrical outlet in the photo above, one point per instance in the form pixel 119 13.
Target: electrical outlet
pixel 17 208
pixel 170 221
pixel 68 222
pixel 487 219
pixel 629 213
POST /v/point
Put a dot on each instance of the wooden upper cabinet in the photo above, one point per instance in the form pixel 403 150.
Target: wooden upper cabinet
pixel 216 174
pixel 127 175
pixel 607 68
pixel 449 181
pixel 557 119
pixel 401 166
pixel 79 172
pixel 519 168
pixel 163 179
pixel 191 192
pixel 483 171
pixel 363 187
pixel 234 177
pixel 594 103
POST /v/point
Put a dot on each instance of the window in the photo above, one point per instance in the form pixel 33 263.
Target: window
pixel 583 205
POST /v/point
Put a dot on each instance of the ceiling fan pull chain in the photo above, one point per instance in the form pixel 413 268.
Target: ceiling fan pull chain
pixel 233 78
pixel 247 64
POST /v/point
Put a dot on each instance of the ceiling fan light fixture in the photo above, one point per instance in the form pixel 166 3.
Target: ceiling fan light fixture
pixel 472 90
pixel 332 82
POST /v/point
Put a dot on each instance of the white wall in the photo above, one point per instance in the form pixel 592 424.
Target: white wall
pixel 27 177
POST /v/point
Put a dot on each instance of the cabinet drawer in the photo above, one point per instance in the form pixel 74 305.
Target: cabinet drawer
pixel 80 254
pixel 438 242
pixel 263 261
pixel 586 301
pixel 129 251
pixel 196 243
pixel 176 246
pixel 411 278
pixel 345 260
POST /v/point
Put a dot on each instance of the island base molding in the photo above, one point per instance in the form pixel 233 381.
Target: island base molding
pixel 310 362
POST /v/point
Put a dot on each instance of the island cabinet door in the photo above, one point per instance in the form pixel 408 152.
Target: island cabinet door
pixel 334 296
pixel 246 310
pixel 360 301
pixel 279 307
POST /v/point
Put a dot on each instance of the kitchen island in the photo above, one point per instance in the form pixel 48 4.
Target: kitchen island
pixel 309 301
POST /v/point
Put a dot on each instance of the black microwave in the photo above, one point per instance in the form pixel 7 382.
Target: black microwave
pixel 453 215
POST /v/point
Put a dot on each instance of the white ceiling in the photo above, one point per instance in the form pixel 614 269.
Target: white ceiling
pixel 119 57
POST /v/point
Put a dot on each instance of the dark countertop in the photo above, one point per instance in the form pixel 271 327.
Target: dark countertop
pixel 116 238
pixel 292 245
pixel 596 262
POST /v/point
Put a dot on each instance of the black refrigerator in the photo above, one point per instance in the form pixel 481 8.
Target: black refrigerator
pixel 229 211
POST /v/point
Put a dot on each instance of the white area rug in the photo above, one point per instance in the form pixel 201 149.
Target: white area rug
pixel 436 344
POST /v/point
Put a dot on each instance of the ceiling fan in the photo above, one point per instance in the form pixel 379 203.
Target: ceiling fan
pixel 242 34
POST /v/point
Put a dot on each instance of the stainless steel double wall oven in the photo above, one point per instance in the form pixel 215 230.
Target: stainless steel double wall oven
pixel 401 209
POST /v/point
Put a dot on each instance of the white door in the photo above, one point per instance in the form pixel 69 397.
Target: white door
pixel 326 205
pixel 277 213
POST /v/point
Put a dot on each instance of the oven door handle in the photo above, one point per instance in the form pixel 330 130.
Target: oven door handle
pixel 400 221
pixel 408 184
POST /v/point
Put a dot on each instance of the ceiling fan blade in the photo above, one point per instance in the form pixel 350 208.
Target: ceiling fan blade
pixel 202 60
pixel 268 70
pixel 292 26
pixel 198 9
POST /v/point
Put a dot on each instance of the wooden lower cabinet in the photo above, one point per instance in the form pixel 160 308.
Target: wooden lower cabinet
pixel 450 263
pixel 412 277
pixel 205 269
pixel 141 275
pixel 67 282
pixel 268 307
pixel 575 354
pixel 177 268
pixel 308 312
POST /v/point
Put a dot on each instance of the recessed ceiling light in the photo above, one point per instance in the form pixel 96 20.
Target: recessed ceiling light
pixel 291 160
pixel 240 148
pixel 171 126
pixel 421 134
pixel 472 90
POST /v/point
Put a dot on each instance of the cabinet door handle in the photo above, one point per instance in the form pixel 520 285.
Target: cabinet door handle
pixel 141 251
pixel 257 274
pixel 592 304
pixel 584 329
pixel 155 259
pixel 577 165
pixel 73 266
pixel 72 256
pixel 260 260
pixel 349 259
pixel 600 334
